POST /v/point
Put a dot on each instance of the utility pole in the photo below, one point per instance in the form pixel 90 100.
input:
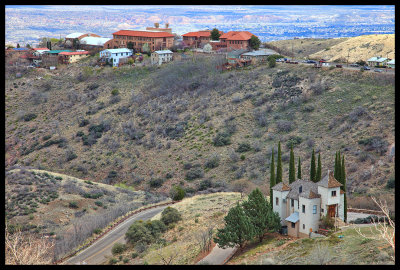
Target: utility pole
pixel 348 55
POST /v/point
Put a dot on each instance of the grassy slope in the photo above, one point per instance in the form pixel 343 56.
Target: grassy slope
pixel 303 48
pixel 360 48
pixel 207 209
pixel 155 155
pixel 351 249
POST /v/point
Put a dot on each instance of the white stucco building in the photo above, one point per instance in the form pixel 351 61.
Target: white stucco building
pixel 159 57
pixel 114 55
pixel 301 204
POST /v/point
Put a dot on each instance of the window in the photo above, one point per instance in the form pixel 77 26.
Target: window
pixel 334 193
pixel 303 208
pixel 314 209
pixel 292 202
pixel 293 225
pixel 300 189
pixel 322 210
pixel 304 226
pixel 276 200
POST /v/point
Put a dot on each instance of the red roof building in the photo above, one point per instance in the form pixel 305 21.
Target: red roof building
pixel 235 40
pixel 197 39
pixel 140 38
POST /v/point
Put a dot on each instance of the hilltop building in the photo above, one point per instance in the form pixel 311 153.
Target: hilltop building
pixel 160 57
pixel 377 61
pixel 234 40
pixel 258 56
pixel 197 39
pixel 72 57
pixel 303 203
pixel 89 43
pixel 390 63
pixel 115 55
pixel 140 39
pixel 79 36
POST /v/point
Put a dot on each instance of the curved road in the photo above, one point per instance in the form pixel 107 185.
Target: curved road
pixel 96 253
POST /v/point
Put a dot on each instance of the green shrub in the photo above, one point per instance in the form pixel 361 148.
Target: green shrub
pixel 29 117
pixel 155 183
pixel 125 260
pixel 98 203
pixel 58 178
pixel 206 183
pixel 46 137
pixel 114 92
pixel 73 205
pixel 242 157
pixel 97 231
pixel 177 193
pixel 83 123
pixel 31 216
pixel 156 227
pixel 80 133
pixel 138 233
pixel 170 215
pixel 118 248
pixel 194 173
pixel 113 261
pixel 222 138
pixel 293 140
pixel 391 182
pixel 243 147
pixel 212 162
pixel 134 255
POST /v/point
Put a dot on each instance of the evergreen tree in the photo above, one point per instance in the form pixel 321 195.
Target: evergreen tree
pixel 319 169
pixel 343 177
pixel 292 169
pixel 272 177
pixel 254 42
pixel 336 166
pixel 279 165
pixel 238 229
pixel 215 34
pixel 299 170
pixel 339 170
pixel 312 169
pixel 257 209
pixel 18 45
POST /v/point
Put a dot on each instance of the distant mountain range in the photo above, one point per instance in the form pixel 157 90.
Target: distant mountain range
pixel 27 23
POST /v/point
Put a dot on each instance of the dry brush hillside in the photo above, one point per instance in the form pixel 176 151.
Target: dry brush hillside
pixel 186 123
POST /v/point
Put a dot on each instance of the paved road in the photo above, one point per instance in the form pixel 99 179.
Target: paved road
pixel 353 216
pixel 95 254
pixel 218 256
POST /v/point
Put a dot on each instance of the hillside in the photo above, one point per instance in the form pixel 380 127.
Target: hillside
pixel 182 123
pixel 359 48
pixel 56 205
pixel 303 48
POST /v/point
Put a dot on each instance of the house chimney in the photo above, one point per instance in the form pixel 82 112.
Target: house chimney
pixel 156 25
pixel 166 25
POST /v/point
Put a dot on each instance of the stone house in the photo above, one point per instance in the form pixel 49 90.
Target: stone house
pixel 159 57
pixel 303 203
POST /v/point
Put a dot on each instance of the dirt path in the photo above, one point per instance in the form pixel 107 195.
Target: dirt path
pixel 218 255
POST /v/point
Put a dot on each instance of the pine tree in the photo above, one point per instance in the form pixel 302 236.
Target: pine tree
pixel 319 169
pixel 312 169
pixel 336 165
pixel 257 209
pixel 272 177
pixel 215 34
pixel 299 170
pixel 343 177
pixel 238 229
pixel 279 165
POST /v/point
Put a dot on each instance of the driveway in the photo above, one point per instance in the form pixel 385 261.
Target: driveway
pixel 101 249
pixel 218 256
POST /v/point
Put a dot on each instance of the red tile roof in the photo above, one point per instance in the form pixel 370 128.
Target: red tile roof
pixel 73 53
pixel 236 35
pixel 135 33
pixel 41 49
pixel 203 33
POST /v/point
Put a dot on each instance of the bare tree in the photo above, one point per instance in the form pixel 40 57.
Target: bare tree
pixel 385 229
pixel 205 238
pixel 27 249
pixel 167 256
pixel 321 254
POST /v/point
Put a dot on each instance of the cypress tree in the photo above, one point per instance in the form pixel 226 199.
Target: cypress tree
pixel 319 169
pixel 339 172
pixel 238 229
pixel 279 165
pixel 336 166
pixel 292 169
pixel 272 177
pixel 343 176
pixel 299 170
pixel 312 169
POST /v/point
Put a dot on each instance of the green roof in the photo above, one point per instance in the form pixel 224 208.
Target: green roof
pixel 57 51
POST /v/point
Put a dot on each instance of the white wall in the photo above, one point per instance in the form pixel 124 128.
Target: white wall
pixel 341 207
pixel 281 208
pixel 326 197
pixel 309 219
